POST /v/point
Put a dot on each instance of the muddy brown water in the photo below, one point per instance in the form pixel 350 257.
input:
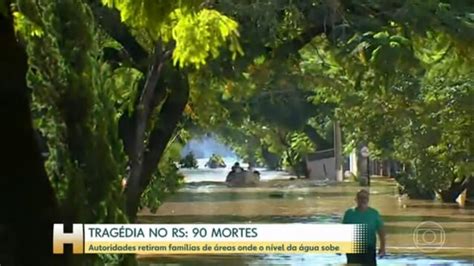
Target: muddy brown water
pixel 283 201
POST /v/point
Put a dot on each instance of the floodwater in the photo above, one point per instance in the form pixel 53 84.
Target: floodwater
pixel 203 174
pixel 206 199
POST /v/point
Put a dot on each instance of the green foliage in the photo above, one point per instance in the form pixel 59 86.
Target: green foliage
pixel 206 31
pixel 166 180
pixel 396 76
pixel 74 109
pixel 403 90
pixel 23 25
pixel 375 72
pixel 442 146
pixel 243 141
pixel 413 187
pixel 4 8
pixel 189 161
pixel 78 98
pixel 215 161
pixel 300 143
pixel 198 33
pixel 261 109
pixel 150 15
pixel 123 84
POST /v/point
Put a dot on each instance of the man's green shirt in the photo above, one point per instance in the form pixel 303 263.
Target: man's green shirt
pixel 370 217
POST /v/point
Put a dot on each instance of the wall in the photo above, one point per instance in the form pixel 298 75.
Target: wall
pixel 353 163
pixel 322 168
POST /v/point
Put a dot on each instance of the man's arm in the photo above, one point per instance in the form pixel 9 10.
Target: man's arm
pixel 381 233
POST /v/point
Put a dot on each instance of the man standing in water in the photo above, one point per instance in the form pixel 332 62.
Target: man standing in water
pixel 363 214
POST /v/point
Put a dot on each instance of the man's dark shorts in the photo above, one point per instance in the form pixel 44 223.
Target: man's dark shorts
pixel 368 258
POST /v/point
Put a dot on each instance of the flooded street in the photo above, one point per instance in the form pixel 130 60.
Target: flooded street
pixel 205 199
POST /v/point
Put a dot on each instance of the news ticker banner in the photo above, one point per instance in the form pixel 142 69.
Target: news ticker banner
pixel 211 238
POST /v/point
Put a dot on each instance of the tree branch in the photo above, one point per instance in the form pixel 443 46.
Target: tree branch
pixel 294 45
pixel 322 19
pixel 170 115
pixel 145 106
pixel 109 20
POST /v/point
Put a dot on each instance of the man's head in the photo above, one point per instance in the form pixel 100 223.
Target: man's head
pixel 362 199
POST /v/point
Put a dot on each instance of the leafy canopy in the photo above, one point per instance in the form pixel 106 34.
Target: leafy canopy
pixel 198 33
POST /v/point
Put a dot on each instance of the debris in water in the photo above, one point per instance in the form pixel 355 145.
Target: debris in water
pixel 277 194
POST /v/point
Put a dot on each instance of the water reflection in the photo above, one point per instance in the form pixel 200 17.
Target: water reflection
pixel 206 200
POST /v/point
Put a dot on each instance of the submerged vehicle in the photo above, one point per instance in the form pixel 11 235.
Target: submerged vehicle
pixel 216 161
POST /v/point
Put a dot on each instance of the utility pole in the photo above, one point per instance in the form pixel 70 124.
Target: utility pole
pixel 364 152
pixel 368 171
pixel 338 151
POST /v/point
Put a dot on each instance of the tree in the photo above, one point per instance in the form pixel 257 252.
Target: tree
pixel 113 85
pixel 184 34
pixel 72 96
pixel 376 65
pixel 192 28
pixel 29 205
pixel 85 88
pixel 386 81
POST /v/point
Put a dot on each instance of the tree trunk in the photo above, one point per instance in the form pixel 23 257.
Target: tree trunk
pixel 339 159
pixel 29 206
pixel 168 119
pixel 272 161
